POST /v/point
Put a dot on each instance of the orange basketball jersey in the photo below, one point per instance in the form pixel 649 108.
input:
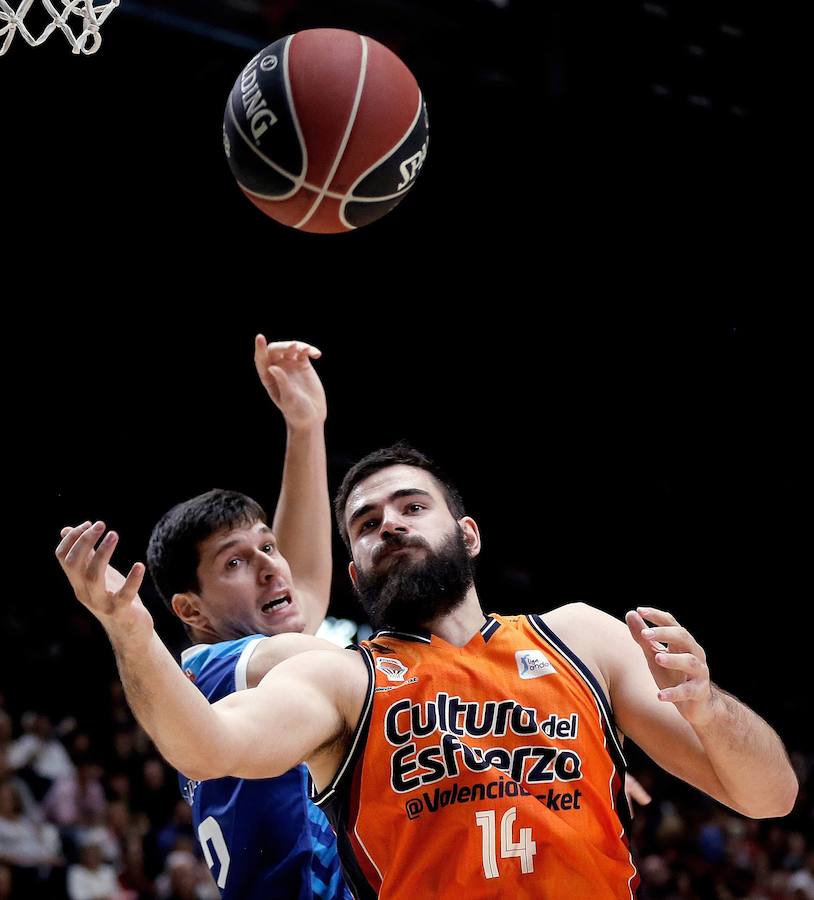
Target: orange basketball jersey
pixel 488 770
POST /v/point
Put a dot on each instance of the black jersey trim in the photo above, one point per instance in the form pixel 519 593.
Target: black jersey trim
pixel 488 629
pixel 614 748
pixel 334 798
pixel 355 878
pixel 422 636
pixel 357 743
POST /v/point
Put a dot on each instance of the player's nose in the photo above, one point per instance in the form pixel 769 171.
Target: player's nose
pixel 267 567
pixel 392 523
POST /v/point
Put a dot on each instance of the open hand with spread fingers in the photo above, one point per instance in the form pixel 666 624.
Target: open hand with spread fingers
pixel 111 597
pixel 677 662
pixel 285 369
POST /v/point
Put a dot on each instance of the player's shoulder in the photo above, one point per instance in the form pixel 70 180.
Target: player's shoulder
pixel 200 656
pixel 580 626
pixel 339 676
pixel 220 669
pixel 584 624
pixel 593 635
pixel 335 671
pixel 324 660
pixel 573 615
pixel 275 649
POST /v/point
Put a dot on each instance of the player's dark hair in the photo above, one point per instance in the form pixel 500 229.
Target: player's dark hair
pixel 172 554
pixel 400 454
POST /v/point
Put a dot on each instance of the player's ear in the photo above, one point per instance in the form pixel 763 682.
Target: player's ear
pixel 354 577
pixel 471 535
pixel 187 608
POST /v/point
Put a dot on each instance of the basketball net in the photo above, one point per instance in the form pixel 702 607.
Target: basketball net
pixel 87 40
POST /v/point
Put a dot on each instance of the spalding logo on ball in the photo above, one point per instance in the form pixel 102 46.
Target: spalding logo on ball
pixel 325 130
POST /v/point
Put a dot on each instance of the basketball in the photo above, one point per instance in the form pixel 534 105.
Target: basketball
pixel 325 130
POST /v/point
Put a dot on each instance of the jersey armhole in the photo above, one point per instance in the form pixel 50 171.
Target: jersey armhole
pixel 612 744
pixel 601 699
pixel 357 743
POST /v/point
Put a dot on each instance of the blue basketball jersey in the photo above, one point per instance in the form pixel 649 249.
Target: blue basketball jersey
pixel 262 839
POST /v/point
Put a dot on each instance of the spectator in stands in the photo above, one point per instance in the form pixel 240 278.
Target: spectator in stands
pixel 30 847
pixel 38 755
pixel 76 797
pixel 91 878
pixel 802 881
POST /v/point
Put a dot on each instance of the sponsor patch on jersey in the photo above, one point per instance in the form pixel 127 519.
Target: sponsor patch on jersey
pixel 533 664
pixel 394 669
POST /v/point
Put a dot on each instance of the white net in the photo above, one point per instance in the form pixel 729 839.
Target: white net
pixel 78 20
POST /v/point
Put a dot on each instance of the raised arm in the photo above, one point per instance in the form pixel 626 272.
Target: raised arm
pixel 302 521
pixel 664 701
pixel 255 733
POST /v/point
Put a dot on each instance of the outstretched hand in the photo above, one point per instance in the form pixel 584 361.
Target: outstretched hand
pixel 111 597
pixel 677 663
pixel 286 372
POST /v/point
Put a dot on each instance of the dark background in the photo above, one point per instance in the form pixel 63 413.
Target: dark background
pixel 587 311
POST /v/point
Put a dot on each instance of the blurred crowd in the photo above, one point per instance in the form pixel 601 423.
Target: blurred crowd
pixel 688 846
pixel 93 813
pixel 89 811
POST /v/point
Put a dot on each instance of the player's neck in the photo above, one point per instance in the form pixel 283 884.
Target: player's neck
pixel 459 626
pixel 197 636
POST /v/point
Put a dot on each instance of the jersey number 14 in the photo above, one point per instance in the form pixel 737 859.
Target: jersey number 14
pixel 524 849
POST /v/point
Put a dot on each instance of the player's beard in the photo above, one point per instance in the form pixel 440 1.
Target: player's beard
pixel 410 592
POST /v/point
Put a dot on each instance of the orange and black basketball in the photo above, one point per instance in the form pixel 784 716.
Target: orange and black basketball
pixel 325 130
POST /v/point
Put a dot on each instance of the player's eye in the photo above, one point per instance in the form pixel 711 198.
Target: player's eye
pixel 233 563
pixel 415 507
pixel 370 523
pixel 268 548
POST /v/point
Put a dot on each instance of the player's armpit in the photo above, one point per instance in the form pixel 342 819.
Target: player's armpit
pixel 303 705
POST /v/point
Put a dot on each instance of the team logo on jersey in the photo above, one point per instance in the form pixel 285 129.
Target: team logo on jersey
pixel 190 674
pixel 533 664
pixel 394 669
